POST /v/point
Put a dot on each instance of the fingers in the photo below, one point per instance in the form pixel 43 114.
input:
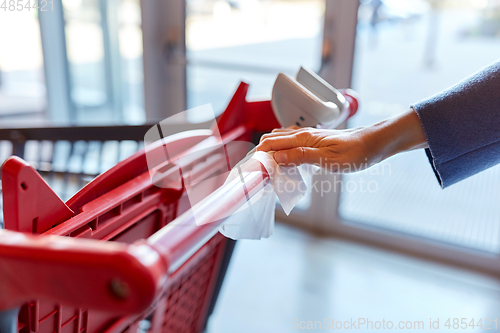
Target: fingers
pixel 278 143
pixel 291 129
pixel 274 135
pixel 281 131
pixel 298 156
pixel 286 139
pixel 306 155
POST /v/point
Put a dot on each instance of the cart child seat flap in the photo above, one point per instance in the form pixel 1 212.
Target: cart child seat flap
pixel 33 206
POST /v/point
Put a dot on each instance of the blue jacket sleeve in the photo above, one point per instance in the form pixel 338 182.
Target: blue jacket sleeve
pixel 462 126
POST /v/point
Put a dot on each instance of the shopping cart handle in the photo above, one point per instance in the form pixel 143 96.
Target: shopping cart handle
pixel 185 235
pixel 111 276
pixel 106 276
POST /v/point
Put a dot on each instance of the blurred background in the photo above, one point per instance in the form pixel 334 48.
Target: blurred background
pixel 409 251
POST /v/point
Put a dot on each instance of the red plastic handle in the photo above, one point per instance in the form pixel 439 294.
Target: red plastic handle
pixel 112 276
pixel 186 234
pixel 107 276
pixel 353 99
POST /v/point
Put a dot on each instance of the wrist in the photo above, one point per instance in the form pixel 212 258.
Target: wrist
pixel 394 135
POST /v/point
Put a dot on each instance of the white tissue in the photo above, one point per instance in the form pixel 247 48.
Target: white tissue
pixel 255 219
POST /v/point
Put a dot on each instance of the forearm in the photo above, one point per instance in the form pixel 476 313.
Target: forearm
pixel 395 135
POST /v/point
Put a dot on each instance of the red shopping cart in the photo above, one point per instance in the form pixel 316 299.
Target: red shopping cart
pixel 124 253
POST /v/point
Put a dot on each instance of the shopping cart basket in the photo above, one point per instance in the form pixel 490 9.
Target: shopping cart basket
pixel 132 256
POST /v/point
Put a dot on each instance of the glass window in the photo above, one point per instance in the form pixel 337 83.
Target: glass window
pixel 22 85
pixel 249 40
pixel 104 49
pixel 407 51
pixel 85 50
pixel 130 43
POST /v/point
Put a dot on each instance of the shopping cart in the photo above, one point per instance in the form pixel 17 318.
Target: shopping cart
pixel 69 157
pixel 132 258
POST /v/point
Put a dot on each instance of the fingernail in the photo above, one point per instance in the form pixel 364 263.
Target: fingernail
pixel 280 157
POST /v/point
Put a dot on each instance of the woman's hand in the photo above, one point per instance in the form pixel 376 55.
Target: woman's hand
pixel 345 150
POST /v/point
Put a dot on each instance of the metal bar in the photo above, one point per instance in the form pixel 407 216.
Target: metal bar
pixel 57 77
pixel 93 133
pixel 163 28
pixel 8 320
pixel 110 26
pixel 339 37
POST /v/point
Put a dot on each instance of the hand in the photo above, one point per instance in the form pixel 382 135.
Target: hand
pixel 345 150
pixel 334 150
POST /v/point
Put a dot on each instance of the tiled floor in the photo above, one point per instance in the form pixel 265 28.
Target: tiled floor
pixel 296 275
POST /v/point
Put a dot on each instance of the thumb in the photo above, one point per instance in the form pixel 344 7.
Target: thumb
pixel 298 156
